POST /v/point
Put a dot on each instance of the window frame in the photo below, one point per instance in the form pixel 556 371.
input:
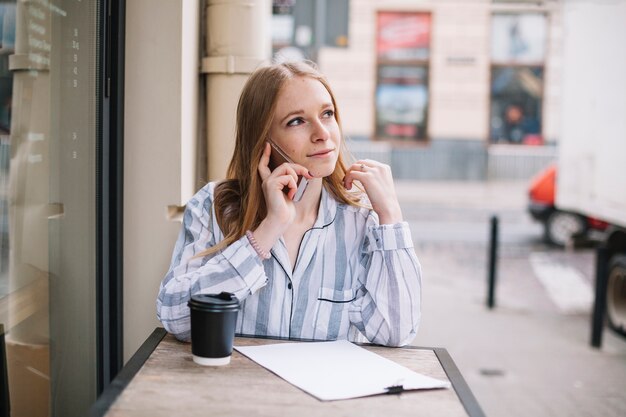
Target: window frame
pixel 411 63
pixel 515 65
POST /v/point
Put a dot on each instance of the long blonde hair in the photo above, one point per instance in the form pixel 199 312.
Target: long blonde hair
pixel 239 200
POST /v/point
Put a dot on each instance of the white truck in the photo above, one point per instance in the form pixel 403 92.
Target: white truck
pixel 591 179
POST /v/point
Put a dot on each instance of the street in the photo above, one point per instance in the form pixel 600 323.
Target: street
pixel 530 355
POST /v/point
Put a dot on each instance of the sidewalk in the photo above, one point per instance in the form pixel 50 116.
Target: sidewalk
pixel 528 356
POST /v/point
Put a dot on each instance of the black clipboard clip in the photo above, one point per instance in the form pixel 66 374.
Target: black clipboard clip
pixel 394 389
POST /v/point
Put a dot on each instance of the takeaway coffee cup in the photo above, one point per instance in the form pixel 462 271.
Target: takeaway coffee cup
pixel 213 320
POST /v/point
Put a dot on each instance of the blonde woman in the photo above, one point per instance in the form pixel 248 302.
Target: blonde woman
pixel 338 263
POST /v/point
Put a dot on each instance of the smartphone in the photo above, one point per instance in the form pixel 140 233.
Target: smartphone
pixel 278 157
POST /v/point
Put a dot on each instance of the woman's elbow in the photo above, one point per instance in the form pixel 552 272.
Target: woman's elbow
pixel 405 335
pixel 180 329
pixel 174 321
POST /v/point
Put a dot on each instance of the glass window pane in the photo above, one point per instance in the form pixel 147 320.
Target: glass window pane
pixel 282 23
pixel 48 132
pixel 403 36
pixel 518 38
pixel 402 102
pixel 516 105
pixel 337 13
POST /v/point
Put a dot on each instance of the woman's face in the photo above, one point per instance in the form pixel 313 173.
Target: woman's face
pixel 304 125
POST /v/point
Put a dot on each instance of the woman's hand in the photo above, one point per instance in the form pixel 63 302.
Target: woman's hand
pixel 377 180
pixel 281 210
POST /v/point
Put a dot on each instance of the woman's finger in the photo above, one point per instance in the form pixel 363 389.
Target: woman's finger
pixel 292 169
pixel 264 169
pixel 357 168
pixel 377 181
pixel 304 172
pixel 288 181
pixel 299 170
pixel 286 169
pixel 278 183
pixel 353 175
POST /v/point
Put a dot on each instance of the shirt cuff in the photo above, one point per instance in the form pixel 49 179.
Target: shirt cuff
pixel 244 259
pixel 390 236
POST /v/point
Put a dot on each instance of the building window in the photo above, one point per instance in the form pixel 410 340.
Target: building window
pixel 518 44
pixel 51 164
pixel 403 53
pixel 300 28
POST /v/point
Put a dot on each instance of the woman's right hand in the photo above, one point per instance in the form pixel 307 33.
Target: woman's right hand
pixel 281 210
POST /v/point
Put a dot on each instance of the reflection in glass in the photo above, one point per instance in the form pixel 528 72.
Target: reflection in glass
pixel 516 98
pixel 518 38
pixel 402 102
pixel 518 47
pixel 47 204
pixel 403 36
pixel 7 45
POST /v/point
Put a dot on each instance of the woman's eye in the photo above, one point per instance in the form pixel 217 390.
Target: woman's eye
pixel 329 113
pixel 295 122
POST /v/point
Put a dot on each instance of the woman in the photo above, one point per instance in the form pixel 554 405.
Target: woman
pixel 325 267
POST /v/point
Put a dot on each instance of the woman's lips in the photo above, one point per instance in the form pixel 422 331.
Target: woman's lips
pixel 323 153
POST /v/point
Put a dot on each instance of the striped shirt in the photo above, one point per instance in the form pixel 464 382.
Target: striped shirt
pixel 353 278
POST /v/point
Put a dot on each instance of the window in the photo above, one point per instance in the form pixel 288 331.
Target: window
pixel 300 28
pixel 50 123
pixel 517 73
pixel 403 52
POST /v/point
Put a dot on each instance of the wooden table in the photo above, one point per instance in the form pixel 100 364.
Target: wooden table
pixel 162 380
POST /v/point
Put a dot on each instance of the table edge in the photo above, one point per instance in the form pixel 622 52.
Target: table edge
pixel 461 388
pixel 123 378
pixel 126 374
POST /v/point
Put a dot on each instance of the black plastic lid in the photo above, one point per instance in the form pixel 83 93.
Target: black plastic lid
pixel 224 301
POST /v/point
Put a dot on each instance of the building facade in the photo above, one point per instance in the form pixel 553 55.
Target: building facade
pixel 450 89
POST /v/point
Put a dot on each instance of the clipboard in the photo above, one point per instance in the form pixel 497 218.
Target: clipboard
pixel 337 370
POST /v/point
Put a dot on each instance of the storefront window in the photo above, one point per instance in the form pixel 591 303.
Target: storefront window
pixel 48 131
pixel 283 27
pixel 517 73
pixel 403 52
pixel 401 102
pixel 300 28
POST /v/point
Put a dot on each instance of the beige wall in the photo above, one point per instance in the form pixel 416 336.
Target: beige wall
pixel 553 78
pixel 459 68
pixel 159 133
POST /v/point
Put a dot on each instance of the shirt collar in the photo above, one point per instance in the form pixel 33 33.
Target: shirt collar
pixel 327 211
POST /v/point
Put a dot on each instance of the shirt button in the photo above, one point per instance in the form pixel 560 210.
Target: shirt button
pixel 289 285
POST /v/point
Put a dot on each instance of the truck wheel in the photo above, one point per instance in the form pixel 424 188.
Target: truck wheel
pixel 561 226
pixel 616 294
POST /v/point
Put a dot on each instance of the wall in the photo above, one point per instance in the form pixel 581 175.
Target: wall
pixel 159 133
pixel 459 87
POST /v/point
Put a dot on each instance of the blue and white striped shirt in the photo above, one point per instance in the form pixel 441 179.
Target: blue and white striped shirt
pixel 352 278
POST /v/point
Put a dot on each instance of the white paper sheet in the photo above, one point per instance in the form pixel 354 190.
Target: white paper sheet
pixel 336 370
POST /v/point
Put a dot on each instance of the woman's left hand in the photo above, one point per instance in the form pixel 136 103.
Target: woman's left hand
pixel 377 181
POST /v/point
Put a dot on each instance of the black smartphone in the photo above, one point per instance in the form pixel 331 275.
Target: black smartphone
pixel 278 157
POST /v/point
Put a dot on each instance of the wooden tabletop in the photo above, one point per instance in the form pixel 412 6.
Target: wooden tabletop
pixel 169 383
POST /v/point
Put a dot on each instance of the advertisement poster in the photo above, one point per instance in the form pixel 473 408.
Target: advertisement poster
pixel 403 36
pixel 403 50
pixel 518 38
pixel 402 102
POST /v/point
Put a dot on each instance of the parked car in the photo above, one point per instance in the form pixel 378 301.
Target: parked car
pixel 560 226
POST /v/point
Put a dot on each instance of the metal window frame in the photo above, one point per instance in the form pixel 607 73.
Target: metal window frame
pixel 110 189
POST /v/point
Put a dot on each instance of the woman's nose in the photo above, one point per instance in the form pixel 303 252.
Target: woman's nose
pixel 320 132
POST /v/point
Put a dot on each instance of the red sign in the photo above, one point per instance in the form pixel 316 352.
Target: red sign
pixel 403 34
